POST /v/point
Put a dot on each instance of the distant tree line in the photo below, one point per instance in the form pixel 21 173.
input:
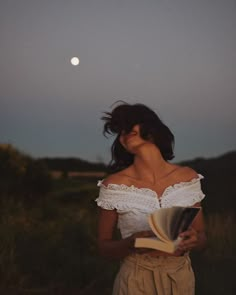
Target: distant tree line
pixel 21 174
pixel 72 164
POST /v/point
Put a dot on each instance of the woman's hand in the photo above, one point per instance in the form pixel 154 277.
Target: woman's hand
pixel 189 240
pixel 194 237
pixel 141 234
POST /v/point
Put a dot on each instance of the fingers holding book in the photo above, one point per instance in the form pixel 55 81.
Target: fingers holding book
pixel 189 240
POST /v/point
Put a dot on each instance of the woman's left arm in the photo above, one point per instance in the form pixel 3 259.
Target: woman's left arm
pixel 195 237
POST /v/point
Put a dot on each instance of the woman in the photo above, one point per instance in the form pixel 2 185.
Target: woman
pixel 145 181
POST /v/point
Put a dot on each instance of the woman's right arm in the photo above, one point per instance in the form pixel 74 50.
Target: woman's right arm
pixel 109 247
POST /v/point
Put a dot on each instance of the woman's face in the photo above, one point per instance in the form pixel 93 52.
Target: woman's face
pixel 132 140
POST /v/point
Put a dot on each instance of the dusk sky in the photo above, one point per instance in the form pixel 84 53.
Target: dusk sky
pixel 176 56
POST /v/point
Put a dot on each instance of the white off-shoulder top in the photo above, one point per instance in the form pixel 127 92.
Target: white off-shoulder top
pixel 134 204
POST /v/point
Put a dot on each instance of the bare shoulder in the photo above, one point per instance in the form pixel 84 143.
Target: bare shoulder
pixel 116 178
pixel 186 173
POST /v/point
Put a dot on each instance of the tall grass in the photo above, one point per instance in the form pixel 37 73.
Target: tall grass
pixel 49 247
pixel 215 268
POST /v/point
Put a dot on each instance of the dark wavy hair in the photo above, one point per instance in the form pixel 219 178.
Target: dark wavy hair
pixel 123 118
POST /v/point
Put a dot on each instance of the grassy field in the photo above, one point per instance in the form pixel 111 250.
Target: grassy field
pixel 49 246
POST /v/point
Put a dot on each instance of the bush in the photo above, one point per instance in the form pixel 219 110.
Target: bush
pixel 22 176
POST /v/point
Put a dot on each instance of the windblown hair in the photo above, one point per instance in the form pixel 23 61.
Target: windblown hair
pixel 122 119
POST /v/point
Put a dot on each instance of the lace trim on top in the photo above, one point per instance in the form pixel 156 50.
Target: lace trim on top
pixel 124 197
pixel 148 191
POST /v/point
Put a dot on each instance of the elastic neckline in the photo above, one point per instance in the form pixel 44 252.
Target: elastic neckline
pixel 133 188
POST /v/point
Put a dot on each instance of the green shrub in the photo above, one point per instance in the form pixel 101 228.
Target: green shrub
pixel 21 176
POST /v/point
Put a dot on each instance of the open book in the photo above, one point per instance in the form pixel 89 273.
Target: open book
pixel 167 224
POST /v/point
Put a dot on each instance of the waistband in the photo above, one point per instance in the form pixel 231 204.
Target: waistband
pixel 149 262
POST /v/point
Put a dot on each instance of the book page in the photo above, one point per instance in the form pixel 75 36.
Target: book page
pixel 172 217
pixel 159 221
pixel 159 233
pixel 154 243
pixel 167 223
pixel 184 220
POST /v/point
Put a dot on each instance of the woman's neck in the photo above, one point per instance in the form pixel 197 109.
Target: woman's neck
pixel 149 164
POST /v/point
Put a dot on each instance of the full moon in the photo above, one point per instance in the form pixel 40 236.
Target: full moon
pixel 74 61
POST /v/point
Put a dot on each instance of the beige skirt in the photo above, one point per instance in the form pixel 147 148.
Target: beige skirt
pixel 143 274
